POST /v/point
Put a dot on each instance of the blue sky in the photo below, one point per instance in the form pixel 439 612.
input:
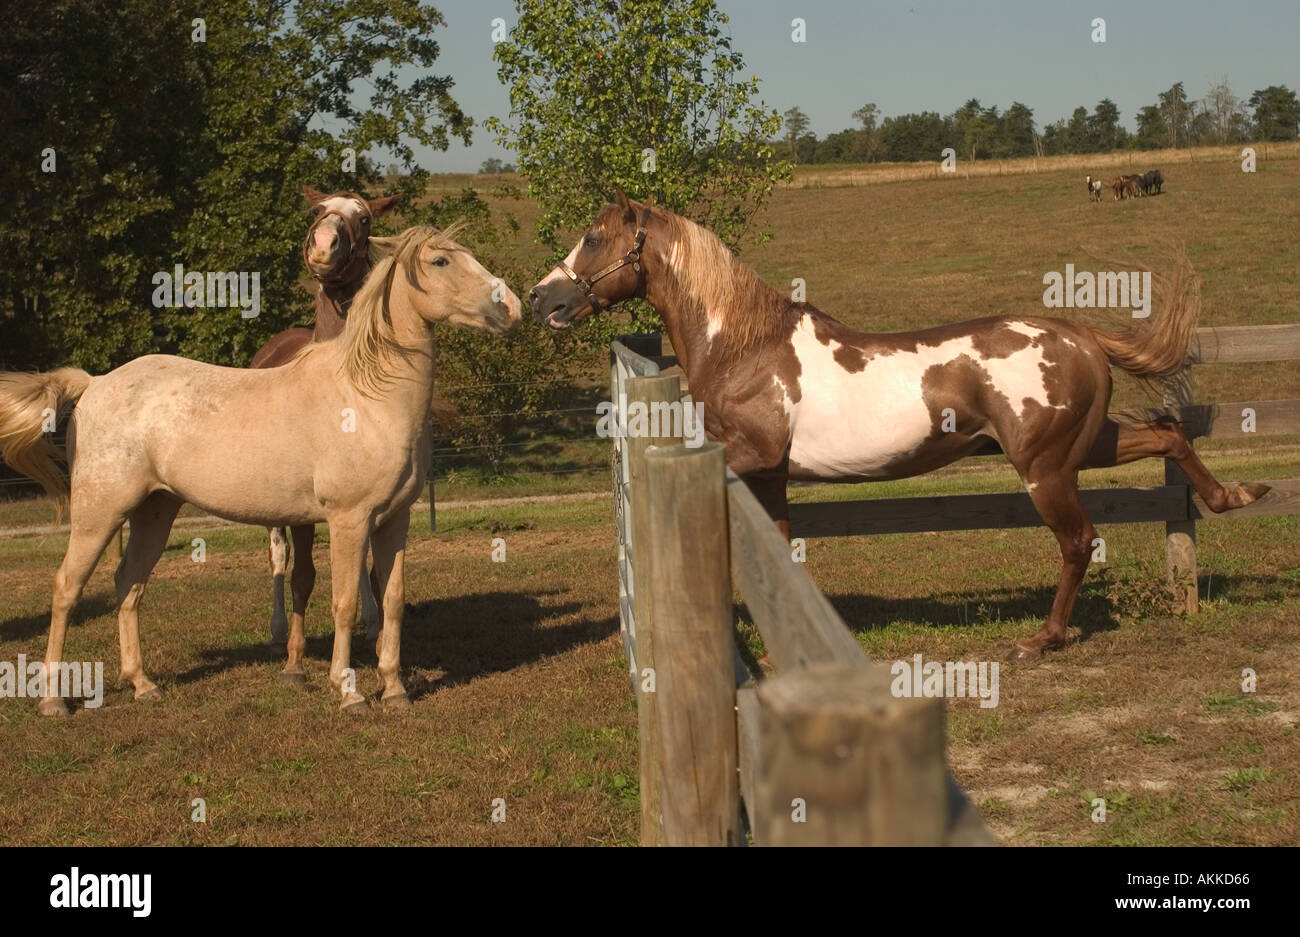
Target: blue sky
pixel 915 55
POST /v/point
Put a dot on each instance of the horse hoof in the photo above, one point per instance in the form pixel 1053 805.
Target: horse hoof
pixel 355 706
pixel 1021 651
pixel 52 707
pixel 297 678
pixel 1251 491
pixel 397 701
pixel 150 694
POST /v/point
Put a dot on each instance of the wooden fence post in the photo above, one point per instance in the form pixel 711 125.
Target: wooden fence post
pixel 646 391
pixel 846 763
pixel 693 646
pixel 1180 536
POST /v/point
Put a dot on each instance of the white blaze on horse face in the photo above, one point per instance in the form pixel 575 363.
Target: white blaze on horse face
pixel 323 234
pixel 872 422
pixel 558 274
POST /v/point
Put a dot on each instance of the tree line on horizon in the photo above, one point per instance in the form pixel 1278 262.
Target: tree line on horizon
pixel 978 132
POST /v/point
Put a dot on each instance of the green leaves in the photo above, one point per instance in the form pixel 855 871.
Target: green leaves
pixel 646 96
pixel 174 151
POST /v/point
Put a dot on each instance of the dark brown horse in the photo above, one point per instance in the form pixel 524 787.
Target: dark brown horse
pixel 793 393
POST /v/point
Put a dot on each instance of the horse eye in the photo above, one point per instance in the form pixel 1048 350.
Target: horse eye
pixel 441 261
pixel 591 240
pixel 365 219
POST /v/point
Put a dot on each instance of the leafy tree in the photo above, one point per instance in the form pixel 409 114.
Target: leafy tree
pixel 1276 113
pixel 796 128
pixel 1176 114
pixel 867 141
pixel 1104 130
pixel 171 150
pixel 913 137
pixel 659 108
pixel 1152 132
pixel 491 166
pixel 1015 132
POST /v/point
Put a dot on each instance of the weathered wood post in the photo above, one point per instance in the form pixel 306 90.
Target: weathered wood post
pixel 1180 536
pixel 846 763
pixel 645 392
pixel 693 646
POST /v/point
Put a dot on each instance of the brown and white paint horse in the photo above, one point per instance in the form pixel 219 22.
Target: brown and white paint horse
pixel 793 393
pixel 335 252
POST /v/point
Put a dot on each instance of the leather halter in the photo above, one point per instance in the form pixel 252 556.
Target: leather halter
pixel 346 273
pixel 632 258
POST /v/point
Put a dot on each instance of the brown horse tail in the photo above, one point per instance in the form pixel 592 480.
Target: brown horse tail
pixel 30 404
pixel 444 412
pixel 1158 350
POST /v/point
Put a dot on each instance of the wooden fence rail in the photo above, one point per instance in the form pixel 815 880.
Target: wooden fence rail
pixel 822 753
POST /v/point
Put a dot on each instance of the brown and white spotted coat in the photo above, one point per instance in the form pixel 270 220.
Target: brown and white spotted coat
pixel 793 393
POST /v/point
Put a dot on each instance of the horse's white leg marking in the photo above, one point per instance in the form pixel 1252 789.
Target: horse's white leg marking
pixel 347 556
pixel 389 545
pixel 279 566
pixel 369 607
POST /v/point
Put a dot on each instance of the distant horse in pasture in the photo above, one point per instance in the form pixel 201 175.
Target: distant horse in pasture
pixel 338 434
pixel 795 394
pixel 1094 188
pixel 1125 187
pixel 1155 181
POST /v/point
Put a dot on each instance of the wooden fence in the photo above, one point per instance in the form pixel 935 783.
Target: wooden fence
pixel 822 753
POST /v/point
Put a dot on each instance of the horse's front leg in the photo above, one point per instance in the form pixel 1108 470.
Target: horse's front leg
pixel 389 545
pixel 348 537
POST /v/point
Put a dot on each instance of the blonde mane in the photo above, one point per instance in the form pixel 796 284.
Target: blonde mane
pixel 713 287
pixel 368 343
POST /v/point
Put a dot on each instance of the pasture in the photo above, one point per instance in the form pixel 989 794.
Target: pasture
pixel 515 669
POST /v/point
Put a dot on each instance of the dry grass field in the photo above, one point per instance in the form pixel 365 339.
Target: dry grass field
pixel 516 671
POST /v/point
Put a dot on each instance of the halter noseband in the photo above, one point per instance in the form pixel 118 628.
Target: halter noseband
pixel 632 257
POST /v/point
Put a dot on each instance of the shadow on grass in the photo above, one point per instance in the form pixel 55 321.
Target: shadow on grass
pixel 1093 612
pixel 463 637
pixel 31 626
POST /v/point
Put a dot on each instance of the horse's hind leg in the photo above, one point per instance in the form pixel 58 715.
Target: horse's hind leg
pixel 151 522
pixel 1056 495
pixel 1118 443
pixel 301 583
pixel 86 544
pixel 279 566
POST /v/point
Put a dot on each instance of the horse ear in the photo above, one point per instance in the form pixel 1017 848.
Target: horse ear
pixel 381 247
pixel 382 206
pixel 621 200
pixel 312 195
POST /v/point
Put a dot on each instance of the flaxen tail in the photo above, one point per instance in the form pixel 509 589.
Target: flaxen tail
pixel 30 404
pixel 1157 351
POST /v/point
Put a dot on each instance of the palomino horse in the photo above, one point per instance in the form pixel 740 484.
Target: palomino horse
pixel 793 393
pixel 340 434
pixel 336 254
